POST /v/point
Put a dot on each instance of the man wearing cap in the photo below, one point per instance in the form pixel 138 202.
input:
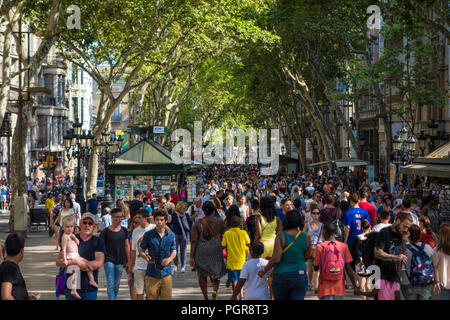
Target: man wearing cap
pixel 91 248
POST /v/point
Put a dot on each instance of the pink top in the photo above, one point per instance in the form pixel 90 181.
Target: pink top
pixel 387 289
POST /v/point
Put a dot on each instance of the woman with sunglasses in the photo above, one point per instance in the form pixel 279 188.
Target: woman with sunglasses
pixel 314 229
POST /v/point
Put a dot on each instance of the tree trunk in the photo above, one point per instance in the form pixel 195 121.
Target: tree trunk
pixel 18 186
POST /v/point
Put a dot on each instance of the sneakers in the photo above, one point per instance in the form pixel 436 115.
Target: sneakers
pixel 175 268
pixel 214 296
pixel 183 270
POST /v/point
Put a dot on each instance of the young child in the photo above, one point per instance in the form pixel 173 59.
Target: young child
pixel 69 246
pixel 389 287
pixel 427 234
pixel 256 288
pixel 237 242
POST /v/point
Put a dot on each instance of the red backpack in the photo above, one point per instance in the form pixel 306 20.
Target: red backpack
pixel 333 262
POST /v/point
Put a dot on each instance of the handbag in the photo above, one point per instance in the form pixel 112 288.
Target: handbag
pixel 340 233
pixel 224 251
pixel 60 282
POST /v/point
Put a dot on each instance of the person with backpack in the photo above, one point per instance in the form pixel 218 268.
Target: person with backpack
pixel 332 259
pixel 291 251
pixel 353 219
pixel 417 278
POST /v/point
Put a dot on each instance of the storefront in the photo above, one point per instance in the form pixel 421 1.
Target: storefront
pixel 145 166
pixel 435 168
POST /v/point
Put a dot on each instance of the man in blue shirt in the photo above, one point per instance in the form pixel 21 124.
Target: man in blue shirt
pixel 353 219
pixel 158 248
pixel 285 207
pixel 92 204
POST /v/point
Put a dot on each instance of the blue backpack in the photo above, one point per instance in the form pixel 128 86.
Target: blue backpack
pixel 422 270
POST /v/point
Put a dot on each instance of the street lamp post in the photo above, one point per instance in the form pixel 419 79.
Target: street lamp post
pixel 107 149
pixel 79 142
pixel 5 131
pixel 403 149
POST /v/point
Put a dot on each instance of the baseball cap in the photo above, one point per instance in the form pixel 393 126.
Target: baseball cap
pixel 89 215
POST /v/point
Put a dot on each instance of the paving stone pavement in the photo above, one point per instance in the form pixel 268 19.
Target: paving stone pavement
pixel 39 271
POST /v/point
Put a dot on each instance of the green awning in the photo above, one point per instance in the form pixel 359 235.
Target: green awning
pixel 427 169
pixel 341 163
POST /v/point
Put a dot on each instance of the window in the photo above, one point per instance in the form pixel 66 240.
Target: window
pixel 43 132
pixel 116 114
pixel 75 108
pixel 81 77
pixel 82 109
pixel 74 73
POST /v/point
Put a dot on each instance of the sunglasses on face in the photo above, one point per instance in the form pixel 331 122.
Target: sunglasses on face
pixel 315 212
pixel 89 223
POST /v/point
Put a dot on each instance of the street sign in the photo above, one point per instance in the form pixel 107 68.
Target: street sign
pixel 159 129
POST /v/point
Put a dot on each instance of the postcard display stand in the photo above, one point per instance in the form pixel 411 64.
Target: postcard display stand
pixel 126 185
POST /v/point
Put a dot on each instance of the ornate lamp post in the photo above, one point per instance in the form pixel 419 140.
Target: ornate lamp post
pixel 432 134
pixel 78 142
pixel 107 149
pixel 403 148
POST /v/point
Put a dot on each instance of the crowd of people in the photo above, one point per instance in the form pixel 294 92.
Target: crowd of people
pixel 272 237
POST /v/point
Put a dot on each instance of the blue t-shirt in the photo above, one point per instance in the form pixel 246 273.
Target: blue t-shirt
pixel 353 217
pixel 87 249
pixel 93 204
pixel 5 191
pixel 148 208
pixel 280 214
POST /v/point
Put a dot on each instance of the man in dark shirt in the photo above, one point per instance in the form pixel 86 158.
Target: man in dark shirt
pixel 390 243
pixel 92 204
pixel 91 248
pixel 12 283
pixel 135 204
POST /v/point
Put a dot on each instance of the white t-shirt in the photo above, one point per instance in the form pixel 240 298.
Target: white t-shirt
pixel 443 262
pixel 428 250
pixel 192 209
pixel 256 288
pixel 136 237
pixel 378 227
pixel 374 185
pixel 65 213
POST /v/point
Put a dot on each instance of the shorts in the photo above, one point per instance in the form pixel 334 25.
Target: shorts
pixel 310 262
pixel 158 288
pixel 139 281
pixel 4 198
pixel 233 275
